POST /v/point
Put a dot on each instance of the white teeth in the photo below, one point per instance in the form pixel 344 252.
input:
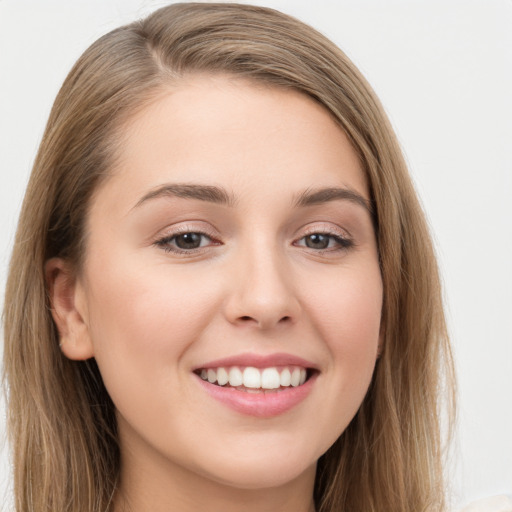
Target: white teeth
pixel 286 377
pixel 269 379
pixel 222 377
pixel 235 377
pixel 252 377
pixel 295 377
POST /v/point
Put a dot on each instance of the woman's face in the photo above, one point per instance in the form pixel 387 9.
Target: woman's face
pixel 233 243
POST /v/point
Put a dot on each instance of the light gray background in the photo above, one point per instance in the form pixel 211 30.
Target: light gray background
pixel 443 70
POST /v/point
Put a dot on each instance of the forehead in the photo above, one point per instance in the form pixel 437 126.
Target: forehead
pixel 246 137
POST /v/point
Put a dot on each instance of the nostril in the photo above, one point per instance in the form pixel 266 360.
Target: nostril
pixel 266 322
pixel 247 318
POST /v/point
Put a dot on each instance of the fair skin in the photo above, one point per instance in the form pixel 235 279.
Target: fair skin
pixel 261 269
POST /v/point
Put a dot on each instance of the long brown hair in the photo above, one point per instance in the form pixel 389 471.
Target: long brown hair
pixel 61 420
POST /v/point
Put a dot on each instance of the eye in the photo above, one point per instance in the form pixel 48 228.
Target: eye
pixel 189 240
pixel 185 242
pixel 324 241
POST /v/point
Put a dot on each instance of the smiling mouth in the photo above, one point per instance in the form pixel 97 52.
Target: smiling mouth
pixel 256 380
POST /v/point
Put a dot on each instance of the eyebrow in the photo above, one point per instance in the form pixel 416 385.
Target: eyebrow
pixel 218 195
pixel 311 197
pixel 208 193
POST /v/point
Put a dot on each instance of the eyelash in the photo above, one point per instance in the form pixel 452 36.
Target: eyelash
pixel 165 242
pixel 342 242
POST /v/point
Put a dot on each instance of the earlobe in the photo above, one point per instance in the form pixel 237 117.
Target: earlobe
pixel 67 310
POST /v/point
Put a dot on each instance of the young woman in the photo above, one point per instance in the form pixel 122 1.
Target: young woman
pixel 223 293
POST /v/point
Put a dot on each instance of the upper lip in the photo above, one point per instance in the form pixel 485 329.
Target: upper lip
pixel 258 361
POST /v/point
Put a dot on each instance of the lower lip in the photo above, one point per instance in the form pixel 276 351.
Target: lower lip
pixel 262 405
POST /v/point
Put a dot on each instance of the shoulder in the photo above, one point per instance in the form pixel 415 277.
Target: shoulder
pixel 494 504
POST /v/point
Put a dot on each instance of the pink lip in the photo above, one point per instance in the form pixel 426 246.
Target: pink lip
pixel 259 361
pixel 262 405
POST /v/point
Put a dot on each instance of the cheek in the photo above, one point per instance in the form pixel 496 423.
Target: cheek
pixel 347 314
pixel 348 309
pixel 141 315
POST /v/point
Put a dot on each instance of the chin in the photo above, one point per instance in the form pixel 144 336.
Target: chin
pixel 260 468
pixel 246 476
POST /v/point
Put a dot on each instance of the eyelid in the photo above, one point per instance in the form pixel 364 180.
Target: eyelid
pixel 187 227
pixel 326 229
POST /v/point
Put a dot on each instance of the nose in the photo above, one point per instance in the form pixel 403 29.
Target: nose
pixel 262 292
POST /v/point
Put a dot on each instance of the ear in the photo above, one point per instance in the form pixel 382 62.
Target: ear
pixel 68 309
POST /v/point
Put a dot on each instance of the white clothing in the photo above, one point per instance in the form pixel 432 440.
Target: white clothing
pixel 494 504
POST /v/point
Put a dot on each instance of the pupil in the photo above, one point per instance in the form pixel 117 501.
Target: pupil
pixel 317 241
pixel 188 241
